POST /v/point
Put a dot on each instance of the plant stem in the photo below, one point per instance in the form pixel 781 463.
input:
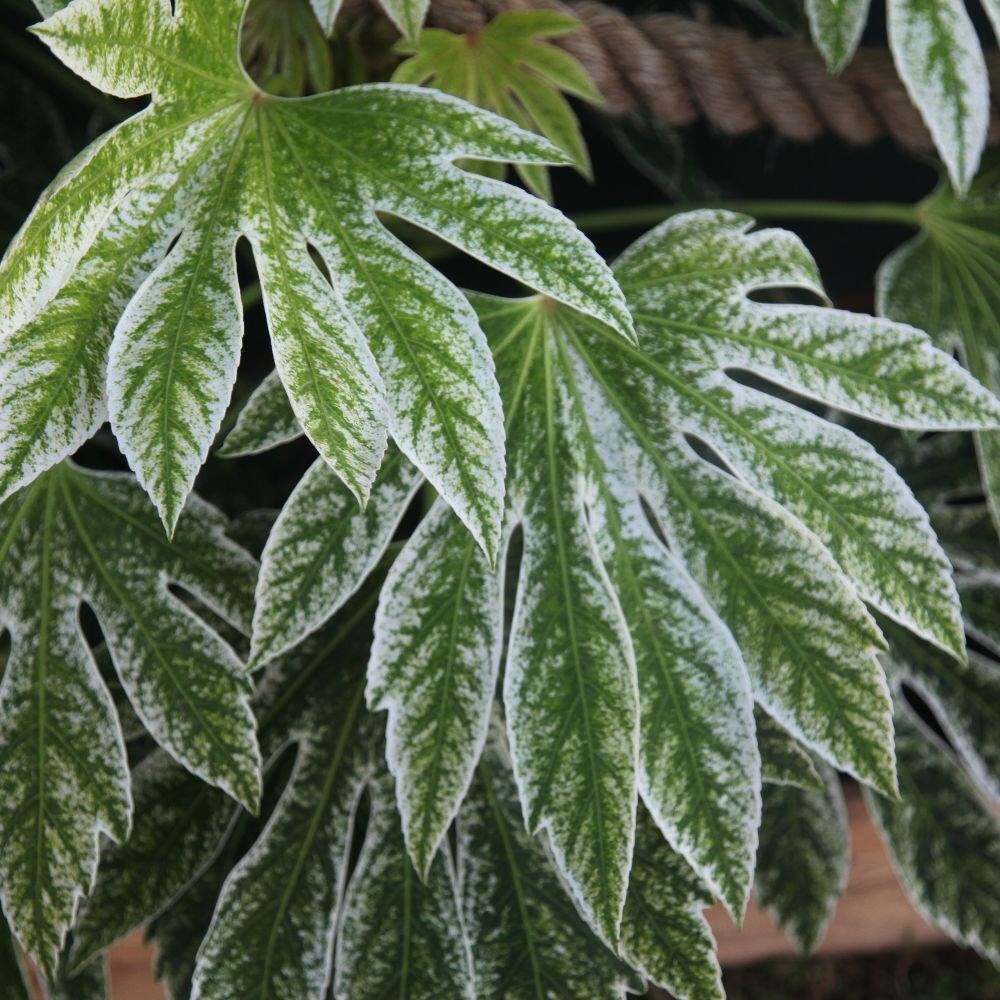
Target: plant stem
pixel 639 216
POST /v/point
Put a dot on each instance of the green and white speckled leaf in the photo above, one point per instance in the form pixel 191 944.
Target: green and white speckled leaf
pixel 312 686
pixel 48 7
pixel 321 549
pixel 688 342
pixel 266 421
pixel 947 281
pixel 836 27
pixel 326 12
pixel 434 670
pixel 762 568
pixel 178 825
pixel 513 71
pixel 943 838
pixel 782 760
pixel 400 936
pixel 124 273
pixel 939 58
pixel 77 537
pixel 965 700
pixel 407 15
pixel 699 769
pixel 664 933
pixel 276 913
pixel 92 982
pixel 570 688
pixel 528 941
pixel 804 855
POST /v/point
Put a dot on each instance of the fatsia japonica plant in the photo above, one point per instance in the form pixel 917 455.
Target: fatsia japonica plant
pixel 514 625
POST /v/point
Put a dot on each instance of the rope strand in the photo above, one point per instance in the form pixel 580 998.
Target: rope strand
pixel 682 70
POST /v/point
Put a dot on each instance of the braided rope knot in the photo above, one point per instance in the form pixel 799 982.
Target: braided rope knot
pixel 682 69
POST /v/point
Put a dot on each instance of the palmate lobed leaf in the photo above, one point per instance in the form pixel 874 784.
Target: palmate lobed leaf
pixel 507 67
pixel 947 279
pixel 125 275
pixel 804 856
pixel 407 15
pixel 942 832
pixel 600 433
pixel 75 538
pixel 943 837
pixel 527 939
pixel 939 58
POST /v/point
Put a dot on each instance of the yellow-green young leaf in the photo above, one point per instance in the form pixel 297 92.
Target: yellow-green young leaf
pixel 836 27
pixel 528 941
pixel 509 68
pixel 400 936
pixel 265 422
pixel 628 659
pixel 947 281
pixel 664 933
pixel 943 837
pixel 782 760
pixel 124 274
pixel 804 855
pixel 73 538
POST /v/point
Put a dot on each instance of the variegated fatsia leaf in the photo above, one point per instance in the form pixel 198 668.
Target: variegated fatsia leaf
pixel 771 541
pixel 947 280
pixel 320 550
pixel 783 761
pixel 836 27
pixel 528 942
pixel 804 855
pixel 265 421
pixel 508 67
pixel 943 837
pixel 297 692
pixel 943 833
pixel 407 15
pixel 276 914
pixel 400 936
pixel 124 275
pixel 178 826
pixel 939 58
pixel 74 538
pixel 664 932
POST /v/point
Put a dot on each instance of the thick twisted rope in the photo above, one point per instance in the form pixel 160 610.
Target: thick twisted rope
pixel 682 70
